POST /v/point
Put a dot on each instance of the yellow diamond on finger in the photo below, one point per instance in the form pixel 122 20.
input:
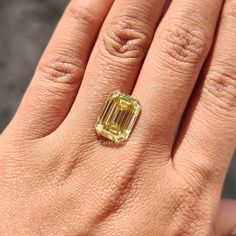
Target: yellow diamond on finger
pixel 118 117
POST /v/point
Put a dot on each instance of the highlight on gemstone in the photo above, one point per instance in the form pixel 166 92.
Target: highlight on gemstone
pixel 118 117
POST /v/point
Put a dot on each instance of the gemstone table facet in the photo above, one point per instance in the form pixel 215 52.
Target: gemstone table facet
pixel 118 117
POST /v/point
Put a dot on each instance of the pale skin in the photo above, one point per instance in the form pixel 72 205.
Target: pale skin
pixel 57 177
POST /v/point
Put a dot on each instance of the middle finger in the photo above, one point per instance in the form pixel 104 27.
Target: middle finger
pixel 116 59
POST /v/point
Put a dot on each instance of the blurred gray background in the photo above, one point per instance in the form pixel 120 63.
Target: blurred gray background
pixel 26 26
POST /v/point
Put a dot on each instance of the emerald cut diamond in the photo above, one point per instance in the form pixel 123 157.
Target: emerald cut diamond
pixel 118 117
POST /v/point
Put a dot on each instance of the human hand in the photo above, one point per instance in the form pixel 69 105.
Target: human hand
pixel 58 178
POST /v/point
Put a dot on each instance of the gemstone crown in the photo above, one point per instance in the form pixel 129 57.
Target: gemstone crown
pixel 118 117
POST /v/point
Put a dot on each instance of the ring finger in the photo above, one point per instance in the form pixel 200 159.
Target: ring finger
pixel 172 67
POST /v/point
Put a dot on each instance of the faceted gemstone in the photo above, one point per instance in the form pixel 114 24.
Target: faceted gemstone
pixel 118 117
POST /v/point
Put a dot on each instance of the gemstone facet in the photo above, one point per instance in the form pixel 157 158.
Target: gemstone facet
pixel 118 117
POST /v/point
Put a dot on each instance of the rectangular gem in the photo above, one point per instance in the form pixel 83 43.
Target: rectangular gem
pixel 118 117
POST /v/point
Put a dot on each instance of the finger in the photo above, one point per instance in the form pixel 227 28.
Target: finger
pixel 60 71
pixel 225 223
pixel 209 127
pixel 171 68
pixel 116 59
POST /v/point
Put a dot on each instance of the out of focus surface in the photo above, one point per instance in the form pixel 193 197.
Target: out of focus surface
pixel 26 26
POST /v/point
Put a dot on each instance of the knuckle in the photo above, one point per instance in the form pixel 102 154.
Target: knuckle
pixel 185 43
pixel 61 71
pixel 220 85
pixel 127 38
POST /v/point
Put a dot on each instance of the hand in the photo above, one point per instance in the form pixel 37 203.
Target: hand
pixel 56 175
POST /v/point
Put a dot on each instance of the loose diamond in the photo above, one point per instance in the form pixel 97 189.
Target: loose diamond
pixel 118 117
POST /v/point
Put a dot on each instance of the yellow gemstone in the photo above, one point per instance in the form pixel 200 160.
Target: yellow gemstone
pixel 118 117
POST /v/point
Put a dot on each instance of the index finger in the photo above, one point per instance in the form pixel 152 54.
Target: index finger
pixel 61 68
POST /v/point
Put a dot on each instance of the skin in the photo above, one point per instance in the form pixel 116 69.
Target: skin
pixel 57 177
